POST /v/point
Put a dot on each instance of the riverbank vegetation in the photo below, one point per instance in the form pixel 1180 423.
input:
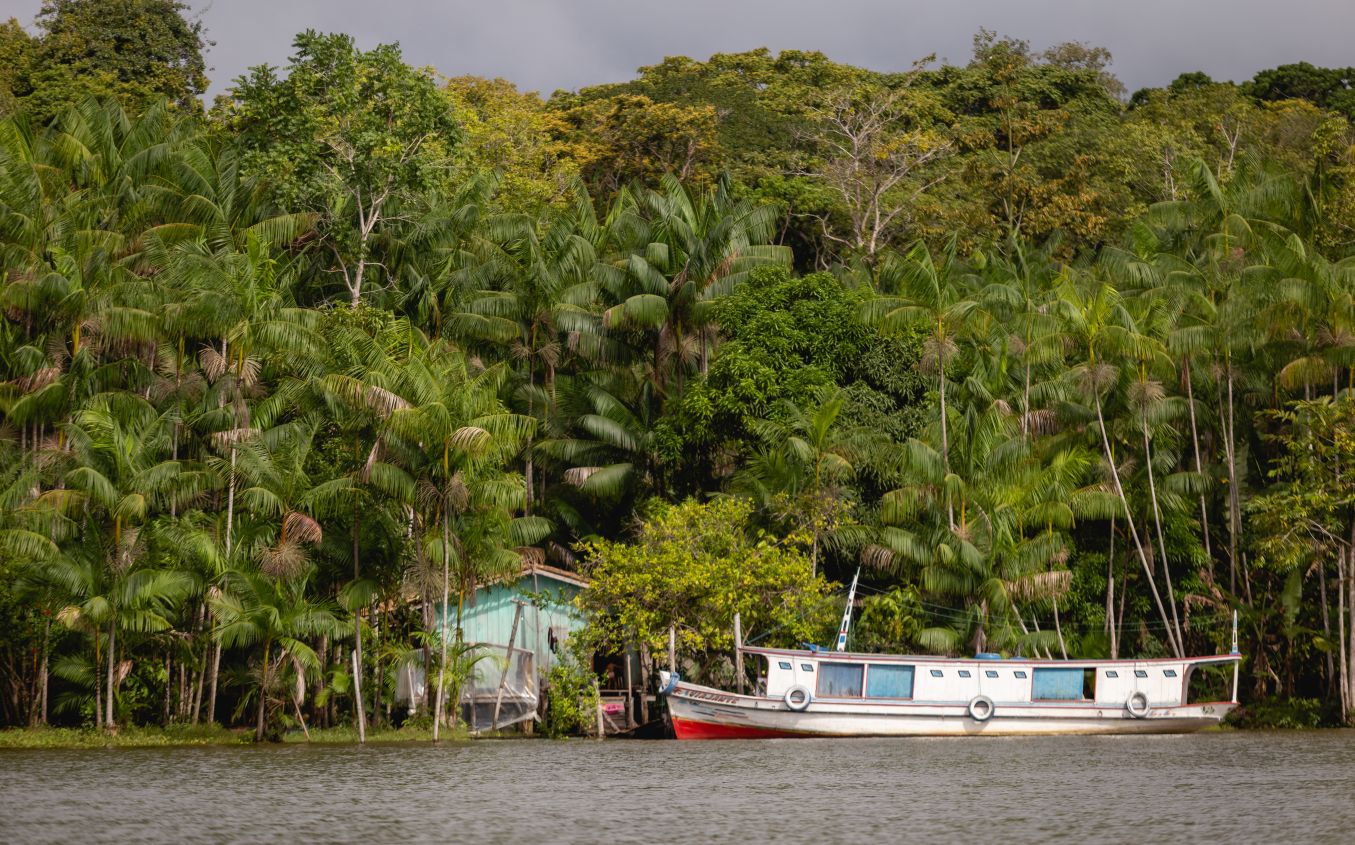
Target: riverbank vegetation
pixel 1062 370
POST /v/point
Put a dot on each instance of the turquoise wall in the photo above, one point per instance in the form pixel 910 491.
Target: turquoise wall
pixel 490 620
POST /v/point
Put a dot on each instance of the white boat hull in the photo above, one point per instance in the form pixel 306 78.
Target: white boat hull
pixel 705 713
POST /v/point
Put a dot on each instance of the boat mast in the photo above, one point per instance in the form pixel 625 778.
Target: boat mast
pixel 1236 663
pixel 847 614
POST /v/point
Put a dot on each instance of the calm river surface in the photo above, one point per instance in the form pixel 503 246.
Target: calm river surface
pixel 1219 787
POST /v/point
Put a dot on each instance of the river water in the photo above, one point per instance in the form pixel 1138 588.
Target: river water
pixel 1234 787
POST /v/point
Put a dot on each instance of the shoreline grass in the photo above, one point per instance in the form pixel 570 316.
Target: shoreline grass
pixel 205 735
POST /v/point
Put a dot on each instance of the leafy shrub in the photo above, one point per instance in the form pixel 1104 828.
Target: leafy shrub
pixel 572 700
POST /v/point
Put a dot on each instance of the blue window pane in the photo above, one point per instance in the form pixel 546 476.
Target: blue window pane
pixel 964 673
pixel 890 682
pixel 1018 673
pixel 1111 673
pixel 807 667
pixel 1170 673
pixel 1140 673
pixel 1058 684
pixel 936 673
pixel 784 664
pixel 837 680
pixel 990 673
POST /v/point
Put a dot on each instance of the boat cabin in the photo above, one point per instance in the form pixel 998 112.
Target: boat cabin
pixel 845 676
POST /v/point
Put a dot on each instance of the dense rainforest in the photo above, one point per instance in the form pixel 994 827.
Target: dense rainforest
pixel 1063 370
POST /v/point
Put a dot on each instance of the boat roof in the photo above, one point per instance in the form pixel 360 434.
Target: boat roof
pixel 821 654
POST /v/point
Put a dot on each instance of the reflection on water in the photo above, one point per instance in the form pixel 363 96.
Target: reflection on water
pixel 1214 787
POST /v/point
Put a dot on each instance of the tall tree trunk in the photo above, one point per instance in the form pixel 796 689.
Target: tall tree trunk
pixel 196 686
pixel 1343 668
pixel 1350 628
pixel 1133 530
pixel 945 439
pixel 1161 540
pixel 44 673
pixel 357 635
pixel 1199 463
pixel 98 680
pixel 214 648
pixel 1234 501
pixel 1110 594
pixel 442 638
pixel 263 693
pixel 1058 629
pixel 1326 622
pixel 109 722
pixel 169 689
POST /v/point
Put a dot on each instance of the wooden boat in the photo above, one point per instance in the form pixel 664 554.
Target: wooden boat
pixel 817 692
pixel 821 693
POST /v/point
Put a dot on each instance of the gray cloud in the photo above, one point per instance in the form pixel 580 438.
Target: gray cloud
pixel 549 44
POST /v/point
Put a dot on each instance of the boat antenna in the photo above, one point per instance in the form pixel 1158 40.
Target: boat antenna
pixel 847 614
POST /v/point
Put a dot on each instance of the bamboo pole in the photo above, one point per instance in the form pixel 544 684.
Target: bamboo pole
pixel 503 676
pixel 630 691
pixel 597 698
pixel 357 695
pixel 738 652
pixel 672 648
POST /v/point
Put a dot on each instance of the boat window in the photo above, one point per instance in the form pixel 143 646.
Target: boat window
pixel 889 681
pixel 1064 684
pixel 783 664
pixel 1111 673
pixel 807 667
pixel 990 673
pixel 964 673
pixel 1018 673
pixel 936 673
pixel 841 680
pixel 1140 673
pixel 1169 673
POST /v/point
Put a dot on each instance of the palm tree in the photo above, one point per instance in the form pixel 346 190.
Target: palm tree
pixel 1097 320
pixel 533 283
pixel 256 610
pixel 809 457
pixel 931 297
pixel 119 481
pixel 443 441
pixel 678 252
pixel 1009 543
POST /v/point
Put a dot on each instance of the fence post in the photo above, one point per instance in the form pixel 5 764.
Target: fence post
pixel 738 652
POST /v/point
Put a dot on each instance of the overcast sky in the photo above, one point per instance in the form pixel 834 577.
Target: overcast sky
pixel 543 45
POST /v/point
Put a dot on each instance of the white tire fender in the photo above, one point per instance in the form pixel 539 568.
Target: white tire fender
pixel 980 708
pixel 797 698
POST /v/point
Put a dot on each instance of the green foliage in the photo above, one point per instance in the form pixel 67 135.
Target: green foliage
pixel 1075 376
pixel 1293 713
pixel 573 698
pixel 692 567
pixel 83 50
pixel 890 622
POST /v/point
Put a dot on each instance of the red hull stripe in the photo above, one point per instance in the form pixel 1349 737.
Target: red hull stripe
pixel 691 729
